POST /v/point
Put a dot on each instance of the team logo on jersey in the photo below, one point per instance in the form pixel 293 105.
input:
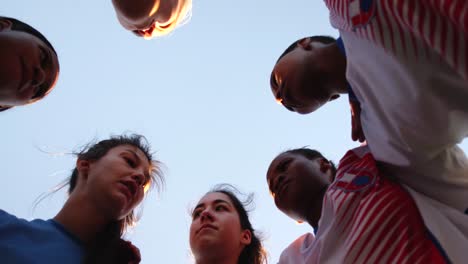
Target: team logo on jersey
pixel 350 182
pixel 361 12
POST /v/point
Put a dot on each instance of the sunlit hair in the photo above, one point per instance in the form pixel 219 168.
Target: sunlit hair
pixel 46 88
pixel 104 247
pixel 180 16
pixel 254 253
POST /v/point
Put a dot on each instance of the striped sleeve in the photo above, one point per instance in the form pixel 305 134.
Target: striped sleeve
pixel 416 28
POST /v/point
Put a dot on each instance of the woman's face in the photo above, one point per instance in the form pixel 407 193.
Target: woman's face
pixel 116 182
pixel 141 16
pixel 216 228
pixel 27 67
pixel 297 184
pixel 300 80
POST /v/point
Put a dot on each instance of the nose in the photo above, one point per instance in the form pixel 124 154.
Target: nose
pixel 206 215
pixel 139 178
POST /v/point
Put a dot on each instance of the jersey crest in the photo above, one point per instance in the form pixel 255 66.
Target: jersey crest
pixel 355 182
pixel 361 12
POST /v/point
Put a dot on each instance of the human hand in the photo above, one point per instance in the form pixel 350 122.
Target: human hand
pixel 357 134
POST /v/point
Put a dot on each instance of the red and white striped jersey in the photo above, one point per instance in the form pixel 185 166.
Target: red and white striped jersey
pixel 407 64
pixel 367 218
pixel 409 28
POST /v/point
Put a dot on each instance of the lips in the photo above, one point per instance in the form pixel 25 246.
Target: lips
pixel 205 226
pixel 130 188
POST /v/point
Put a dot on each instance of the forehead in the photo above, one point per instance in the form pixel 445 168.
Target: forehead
pixel 130 149
pixel 277 161
pixel 136 15
pixel 210 198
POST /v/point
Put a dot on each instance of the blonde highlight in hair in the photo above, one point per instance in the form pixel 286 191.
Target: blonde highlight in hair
pixel 179 17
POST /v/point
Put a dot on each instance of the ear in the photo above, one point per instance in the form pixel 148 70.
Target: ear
pixel 325 165
pixel 304 43
pixel 5 24
pixel 83 167
pixel 246 237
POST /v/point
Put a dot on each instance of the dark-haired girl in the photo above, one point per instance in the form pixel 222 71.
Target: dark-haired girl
pixel 359 216
pixel 29 65
pixel 110 179
pixel 221 231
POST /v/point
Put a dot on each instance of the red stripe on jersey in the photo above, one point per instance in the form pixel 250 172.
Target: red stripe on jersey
pixel 340 204
pixel 411 21
pixel 379 232
pixel 398 17
pixel 444 26
pixel 376 224
pixel 374 221
pixel 388 244
pixel 389 38
pixel 341 8
pixel 432 30
pixel 457 12
pixel 357 215
pixel 346 223
pixel 366 217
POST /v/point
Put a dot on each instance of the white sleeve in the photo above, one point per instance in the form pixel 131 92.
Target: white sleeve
pixel 298 250
pixel 413 114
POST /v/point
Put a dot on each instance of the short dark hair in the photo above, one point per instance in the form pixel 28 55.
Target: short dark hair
pixel 311 154
pixel 254 252
pixel 4 108
pixel 109 246
pixel 319 38
pixel 23 27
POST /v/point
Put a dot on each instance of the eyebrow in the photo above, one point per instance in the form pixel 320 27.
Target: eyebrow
pixel 215 202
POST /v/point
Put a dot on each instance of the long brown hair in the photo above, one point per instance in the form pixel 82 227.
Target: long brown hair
pixel 109 247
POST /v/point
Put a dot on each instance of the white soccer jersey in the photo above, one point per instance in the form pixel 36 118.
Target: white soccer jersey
pixel 409 28
pixel 407 64
pixel 367 218
pixel 298 251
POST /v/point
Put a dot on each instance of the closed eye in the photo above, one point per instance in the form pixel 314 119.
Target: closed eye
pixel 130 162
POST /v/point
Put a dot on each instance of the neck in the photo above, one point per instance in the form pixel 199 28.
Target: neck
pixel 337 67
pixel 217 260
pixel 313 215
pixel 81 218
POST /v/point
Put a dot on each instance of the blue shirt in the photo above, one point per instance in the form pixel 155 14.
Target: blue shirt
pixel 38 241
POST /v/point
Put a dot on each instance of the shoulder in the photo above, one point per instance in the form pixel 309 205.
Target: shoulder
pixel 357 171
pixel 296 252
pixel 7 218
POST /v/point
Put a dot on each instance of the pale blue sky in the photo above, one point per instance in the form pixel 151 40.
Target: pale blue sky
pixel 201 96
